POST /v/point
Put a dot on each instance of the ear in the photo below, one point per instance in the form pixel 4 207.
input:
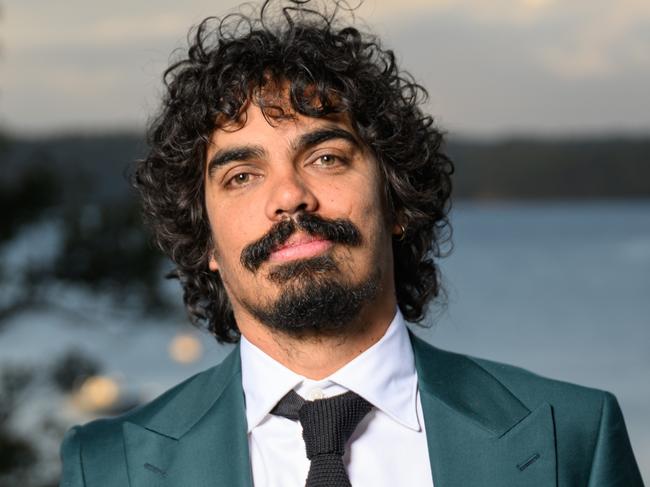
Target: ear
pixel 212 263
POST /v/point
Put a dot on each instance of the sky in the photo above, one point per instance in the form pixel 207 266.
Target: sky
pixel 492 68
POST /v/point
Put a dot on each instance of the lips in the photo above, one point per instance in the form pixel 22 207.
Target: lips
pixel 300 246
pixel 304 237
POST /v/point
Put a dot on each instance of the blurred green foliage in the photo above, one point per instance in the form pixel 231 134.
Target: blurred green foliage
pixel 69 372
pixel 25 200
pixel 21 456
pixel 17 455
pixel 106 249
pixel 80 185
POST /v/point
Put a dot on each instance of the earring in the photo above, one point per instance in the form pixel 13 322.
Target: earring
pixel 402 235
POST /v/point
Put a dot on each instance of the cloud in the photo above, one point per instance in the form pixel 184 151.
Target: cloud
pixel 502 63
pixel 606 38
pixel 52 25
pixel 570 39
pixel 491 78
pixel 479 11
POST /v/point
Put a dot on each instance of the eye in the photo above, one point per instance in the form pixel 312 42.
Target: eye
pixel 240 179
pixel 327 160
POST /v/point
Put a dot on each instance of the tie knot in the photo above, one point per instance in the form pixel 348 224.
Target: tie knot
pixel 327 424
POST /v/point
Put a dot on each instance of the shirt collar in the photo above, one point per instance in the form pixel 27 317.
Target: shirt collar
pixel 264 380
pixel 383 375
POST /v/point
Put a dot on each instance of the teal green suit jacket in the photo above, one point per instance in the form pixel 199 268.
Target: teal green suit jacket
pixel 487 424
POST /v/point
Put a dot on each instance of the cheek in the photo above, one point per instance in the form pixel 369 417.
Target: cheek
pixel 221 230
pixel 373 205
pixel 232 230
pixel 224 243
pixel 377 220
pixel 359 198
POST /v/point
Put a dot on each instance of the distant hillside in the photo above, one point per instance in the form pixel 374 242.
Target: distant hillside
pixel 90 168
pixel 547 168
pixel 93 168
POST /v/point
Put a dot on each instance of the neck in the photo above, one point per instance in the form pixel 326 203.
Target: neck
pixel 317 357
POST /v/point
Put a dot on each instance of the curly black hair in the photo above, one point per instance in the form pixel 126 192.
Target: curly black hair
pixel 329 68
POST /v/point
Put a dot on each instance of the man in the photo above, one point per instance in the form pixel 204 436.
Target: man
pixel 303 196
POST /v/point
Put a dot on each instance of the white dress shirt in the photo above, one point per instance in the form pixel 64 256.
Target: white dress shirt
pixel 388 448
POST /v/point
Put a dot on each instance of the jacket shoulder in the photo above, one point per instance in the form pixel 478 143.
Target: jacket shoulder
pixel 110 426
pixel 88 449
pixel 533 389
pixel 577 409
pixel 591 440
pixel 589 426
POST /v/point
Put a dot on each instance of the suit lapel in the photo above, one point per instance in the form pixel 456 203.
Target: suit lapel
pixel 478 433
pixel 198 438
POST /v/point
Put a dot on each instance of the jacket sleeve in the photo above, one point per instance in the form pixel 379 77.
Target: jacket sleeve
pixel 72 471
pixel 613 461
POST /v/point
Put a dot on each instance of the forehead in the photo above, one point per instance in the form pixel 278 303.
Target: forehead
pixel 277 124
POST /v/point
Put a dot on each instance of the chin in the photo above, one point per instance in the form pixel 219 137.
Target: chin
pixel 302 270
pixel 313 302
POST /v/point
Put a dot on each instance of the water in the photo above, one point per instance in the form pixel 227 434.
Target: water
pixel 560 289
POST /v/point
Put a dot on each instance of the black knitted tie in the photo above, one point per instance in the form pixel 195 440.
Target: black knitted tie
pixel 327 425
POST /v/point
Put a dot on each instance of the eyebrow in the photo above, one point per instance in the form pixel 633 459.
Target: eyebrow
pixel 304 142
pixel 241 153
pixel 310 139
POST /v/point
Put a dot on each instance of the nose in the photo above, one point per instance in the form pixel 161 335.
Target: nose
pixel 290 194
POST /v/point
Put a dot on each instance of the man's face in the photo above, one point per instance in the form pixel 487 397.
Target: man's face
pixel 300 230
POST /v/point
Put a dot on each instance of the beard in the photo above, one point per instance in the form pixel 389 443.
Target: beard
pixel 315 302
pixel 315 298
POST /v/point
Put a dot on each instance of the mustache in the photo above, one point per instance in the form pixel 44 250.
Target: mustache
pixel 340 230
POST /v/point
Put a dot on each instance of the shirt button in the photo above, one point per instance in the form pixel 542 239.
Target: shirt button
pixel 315 394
